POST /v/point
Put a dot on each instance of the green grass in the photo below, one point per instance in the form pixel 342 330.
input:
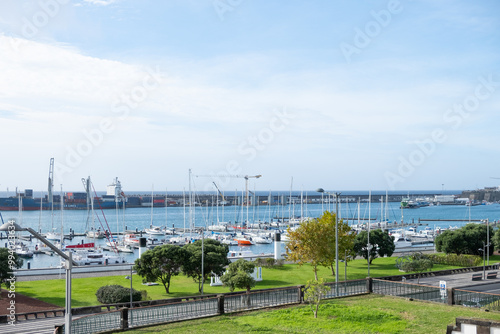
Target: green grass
pixel 84 289
pixel 361 314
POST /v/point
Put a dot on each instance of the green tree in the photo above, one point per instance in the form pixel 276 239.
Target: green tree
pixel 417 263
pixel 161 263
pixel 9 261
pixel 385 244
pixel 468 239
pixel 314 292
pixel 345 243
pixel 238 275
pixel 214 260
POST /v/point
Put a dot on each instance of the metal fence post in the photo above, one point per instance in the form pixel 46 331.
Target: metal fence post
pixel 451 296
pixel 124 316
pixel 220 304
pixel 301 293
pixel 369 285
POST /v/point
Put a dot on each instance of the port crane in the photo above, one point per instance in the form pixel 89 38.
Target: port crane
pixel 246 177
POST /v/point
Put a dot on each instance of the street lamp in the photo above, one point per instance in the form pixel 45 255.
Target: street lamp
pixel 369 248
pixel 11 225
pixel 321 190
pixel 484 261
pixel 202 259
pixel 130 278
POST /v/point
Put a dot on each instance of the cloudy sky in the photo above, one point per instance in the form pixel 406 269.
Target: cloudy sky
pixel 344 95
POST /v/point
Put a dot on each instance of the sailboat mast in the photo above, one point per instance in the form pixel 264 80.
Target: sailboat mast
pixel 152 203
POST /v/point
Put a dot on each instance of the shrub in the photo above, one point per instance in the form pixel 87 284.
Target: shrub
pixel 260 262
pixel 111 294
pixel 456 260
pixel 269 262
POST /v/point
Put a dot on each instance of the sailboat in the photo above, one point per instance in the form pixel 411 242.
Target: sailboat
pixel 95 256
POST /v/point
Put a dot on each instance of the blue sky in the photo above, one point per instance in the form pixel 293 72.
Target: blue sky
pixel 343 95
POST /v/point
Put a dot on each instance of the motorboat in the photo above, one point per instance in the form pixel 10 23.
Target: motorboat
pixel 154 230
pixel 22 250
pixel 131 239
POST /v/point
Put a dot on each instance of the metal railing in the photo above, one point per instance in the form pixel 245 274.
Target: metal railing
pixel 172 312
pixel 261 299
pixel 408 290
pixel 96 323
pixel 346 288
pixel 476 299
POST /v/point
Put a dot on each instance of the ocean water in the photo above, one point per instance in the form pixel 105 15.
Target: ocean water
pixel 140 218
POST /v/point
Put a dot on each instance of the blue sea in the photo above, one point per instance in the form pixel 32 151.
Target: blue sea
pixel 140 218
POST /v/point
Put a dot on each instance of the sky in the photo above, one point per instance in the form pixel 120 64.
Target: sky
pixel 342 95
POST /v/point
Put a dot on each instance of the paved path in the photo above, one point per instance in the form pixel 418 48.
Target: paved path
pixel 35 326
pixel 463 281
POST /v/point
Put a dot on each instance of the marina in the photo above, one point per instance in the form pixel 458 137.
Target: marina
pixel 243 228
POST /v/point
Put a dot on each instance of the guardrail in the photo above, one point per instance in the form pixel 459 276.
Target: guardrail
pixel 202 306
pixel 170 310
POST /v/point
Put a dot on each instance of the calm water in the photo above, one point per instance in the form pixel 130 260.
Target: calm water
pixel 140 218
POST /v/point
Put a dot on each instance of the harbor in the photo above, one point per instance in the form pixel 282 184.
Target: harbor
pixel 180 224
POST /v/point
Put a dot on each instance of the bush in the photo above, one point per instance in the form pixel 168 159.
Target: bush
pixel 269 262
pixel 260 262
pixel 111 294
pixel 456 260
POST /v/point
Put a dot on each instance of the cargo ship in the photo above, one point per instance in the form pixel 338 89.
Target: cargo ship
pixel 114 198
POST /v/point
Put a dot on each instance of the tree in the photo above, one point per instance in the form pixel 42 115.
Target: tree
pixel 345 243
pixel 468 239
pixel 161 263
pixel 417 263
pixel 238 275
pixel 314 242
pixel 214 260
pixel 308 244
pixel 314 292
pixel 9 261
pixel 384 242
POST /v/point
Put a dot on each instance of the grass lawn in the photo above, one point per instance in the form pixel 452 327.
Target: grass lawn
pixel 84 289
pixel 361 314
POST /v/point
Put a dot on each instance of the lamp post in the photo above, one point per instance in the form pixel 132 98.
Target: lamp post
pixel 12 225
pixel 485 246
pixel 488 239
pixel 130 278
pixel 321 190
pixel 345 269
pixel 202 259
pixel 369 248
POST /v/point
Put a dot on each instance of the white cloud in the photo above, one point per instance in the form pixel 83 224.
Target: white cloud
pixel 101 2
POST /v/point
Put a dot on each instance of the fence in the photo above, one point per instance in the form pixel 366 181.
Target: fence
pixel 409 290
pixel 193 308
pixel 261 299
pixel 476 299
pixel 96 323
pixel 198 307
pixel 347 288
pixel 173 312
